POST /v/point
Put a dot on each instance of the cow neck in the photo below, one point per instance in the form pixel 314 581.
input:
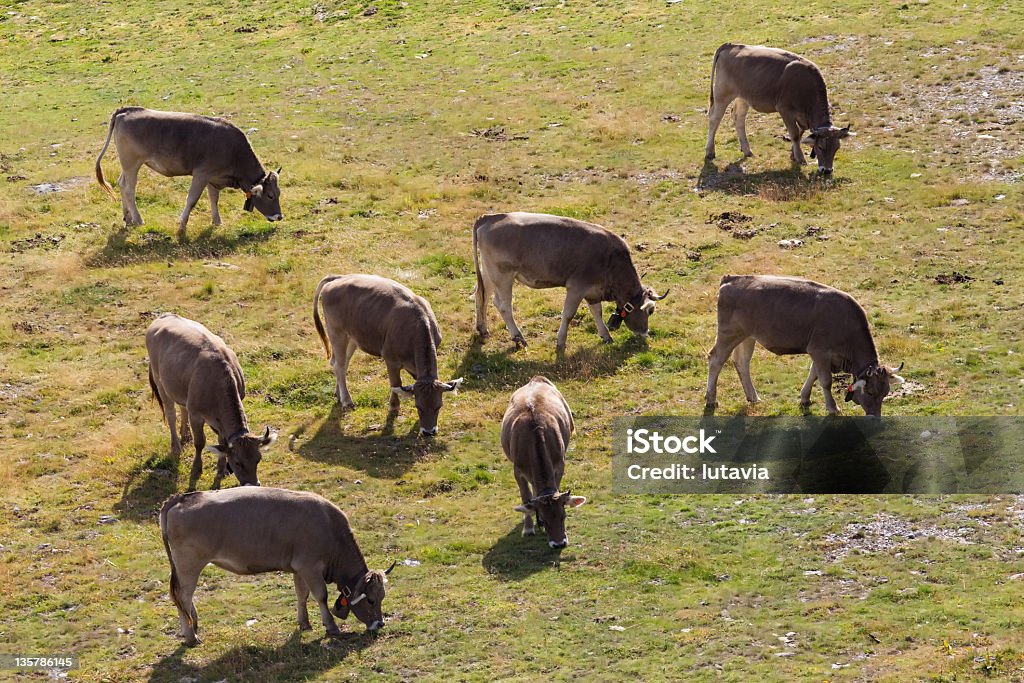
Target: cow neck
pixel 348 567
pixel 862 357
pixel 259 172
pixel 542 468
pixel 234 420
pixel 822 115
pixel 425 354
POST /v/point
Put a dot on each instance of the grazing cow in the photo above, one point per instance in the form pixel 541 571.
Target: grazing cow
pixel 772 80
pixel 211 150
pixel 192 367
pixel 251 531
pixel 789 315
pixel 543 251
pixel 535 435
pixel 384 319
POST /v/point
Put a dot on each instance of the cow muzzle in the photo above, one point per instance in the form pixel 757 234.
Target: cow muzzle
pixel 825 171
pixel 559 544
pixel 428 432
pixel 375 626
pixel 275 217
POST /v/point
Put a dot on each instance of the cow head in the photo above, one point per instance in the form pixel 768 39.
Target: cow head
pixel 365 599
pixel 243 453
pixel 428 395
pixel 871 386
pixel 636 311
pixel 824 142
pixel 265 196
pixel 550 509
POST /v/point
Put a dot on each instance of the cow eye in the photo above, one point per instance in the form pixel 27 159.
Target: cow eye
pixel 371 601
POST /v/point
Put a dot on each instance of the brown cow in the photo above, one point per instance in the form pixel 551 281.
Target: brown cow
pixel 535 434
pixel 251 531
pixel 789 315
pixel 211 150
pixel 387 320
pixel 773 80
pixel 192 367
pixel 543 251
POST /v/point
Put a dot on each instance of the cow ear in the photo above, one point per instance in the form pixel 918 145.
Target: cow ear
pixel 895 379
pixel 524 508
pixel 402 392
pixel 453 385
pixel 256 191
pixel 218 449
pixel 268 437
pixel 809 140
pixel 647 307
pixel 576 501
pixel 845 132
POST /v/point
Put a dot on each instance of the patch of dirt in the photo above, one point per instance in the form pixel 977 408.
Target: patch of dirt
pixel 498 134
pixel 952 279
pixel 60 185
pixel 728 220
pixel 888 533
pixel 906 389
pixel 39 241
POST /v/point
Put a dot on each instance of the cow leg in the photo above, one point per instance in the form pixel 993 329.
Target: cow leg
pixel 741 358
pixel 199 440
pixel 503 302
pixel 793 128
pixel 824 368
pixel 805 393
pixel 569 308
pixel 716 361
pixel 126 182
pixel 525 496
pixel 483 288
pixel 169 416
pixel 602 329
pixel 715 115
pixel 739 119
pixel 195 191
pixel 214 194
pixel 318 588
pixel 186 429
pixel 394 380
pixel 343 350
pixel 301 595
pixel 186 576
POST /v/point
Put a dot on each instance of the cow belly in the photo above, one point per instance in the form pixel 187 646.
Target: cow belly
pixel 166 169
pixel 237 566
pixel 784 350
pixel 537 283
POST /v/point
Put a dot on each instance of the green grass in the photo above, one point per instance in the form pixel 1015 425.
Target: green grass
pixel 602 108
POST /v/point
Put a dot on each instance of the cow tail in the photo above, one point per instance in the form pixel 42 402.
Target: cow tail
pixel 156 392
pixel 99 169
pixel 714 67
pixel 168 504
pixel 316 314
pixel 478 293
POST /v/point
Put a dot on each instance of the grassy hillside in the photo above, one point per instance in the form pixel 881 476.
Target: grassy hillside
pixel 397 124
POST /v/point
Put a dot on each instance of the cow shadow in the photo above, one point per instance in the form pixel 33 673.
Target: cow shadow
pixel 134 245
pixel 508 368
pixel 779 185
pixel 381 454
pixel 149 484
pixel 290 661
pixel 515 557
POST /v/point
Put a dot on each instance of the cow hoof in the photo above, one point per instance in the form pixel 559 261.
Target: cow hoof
pixel 748 154
pixel 519 342
pixel 336 633
pixel 193 641
pixel 305 627
pixel 607 340
pixel 346 405
pixel 483 334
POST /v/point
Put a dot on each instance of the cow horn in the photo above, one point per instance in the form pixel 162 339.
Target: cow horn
pixel 655 297
pixel 896 370
pixel 279 170
pixel 388 570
